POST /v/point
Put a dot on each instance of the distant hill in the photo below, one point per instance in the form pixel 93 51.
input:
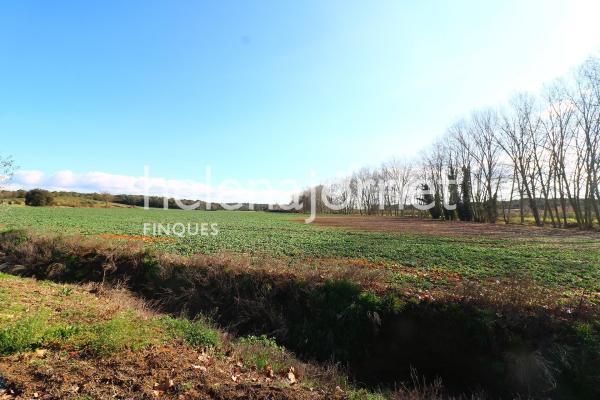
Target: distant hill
pixel 61 199
pixel 98 200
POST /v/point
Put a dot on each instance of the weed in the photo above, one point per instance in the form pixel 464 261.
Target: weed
pixel 185 386
pixel 25 334
pixel 261 351
pixel 66 291
pixel 362 394
pixel 124 331
pixel 62 333
pixel 195 333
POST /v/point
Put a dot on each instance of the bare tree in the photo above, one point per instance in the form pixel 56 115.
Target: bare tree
pixel 107 198
pixel 559 131
pixel 585 98
pixel 518 131
pixel 399 178
pixel 542 154
pixel 7 169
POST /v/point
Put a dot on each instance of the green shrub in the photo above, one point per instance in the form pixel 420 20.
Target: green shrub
pixel 261 340
pixel 38 198
pixel 124 331
pixel 261 351
pixel 363 394
pixel 62 333
pixel 195 333
pixel 25 334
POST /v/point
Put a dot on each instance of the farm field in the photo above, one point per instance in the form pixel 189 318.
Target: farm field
pixel 366 292
pixel 546 257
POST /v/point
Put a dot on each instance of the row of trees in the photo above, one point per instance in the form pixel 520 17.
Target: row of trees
pixel 537 157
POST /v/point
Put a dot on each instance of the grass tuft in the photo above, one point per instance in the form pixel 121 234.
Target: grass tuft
pixel 124 331
pixel 261 351
pixel 196 333
pixel 24 334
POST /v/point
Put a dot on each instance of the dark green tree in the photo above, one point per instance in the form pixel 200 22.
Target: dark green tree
pixel 464 208
pixel 38 198
pixel 453 197
pixel 436 211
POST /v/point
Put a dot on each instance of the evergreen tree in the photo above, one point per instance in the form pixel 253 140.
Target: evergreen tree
pixel 465 211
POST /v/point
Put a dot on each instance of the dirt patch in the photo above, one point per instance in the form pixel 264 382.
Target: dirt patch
pixel 348 262
pixel 136 238
pixel 166 368
pixel 405 225
pixel 163 372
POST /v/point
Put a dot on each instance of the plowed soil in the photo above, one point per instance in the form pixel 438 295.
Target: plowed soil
pixel 406 225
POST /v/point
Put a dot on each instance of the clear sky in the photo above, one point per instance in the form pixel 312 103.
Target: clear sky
pixel 91 92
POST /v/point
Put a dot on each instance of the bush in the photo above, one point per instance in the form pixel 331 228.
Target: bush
pixel 38 198
pixel 261 352
pixel 25 334
pixel 195 333
pixel 124 331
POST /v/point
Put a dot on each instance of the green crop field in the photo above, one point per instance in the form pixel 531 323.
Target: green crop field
pixel 570 262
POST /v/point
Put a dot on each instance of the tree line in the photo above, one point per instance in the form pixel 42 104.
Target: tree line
pixel 537 158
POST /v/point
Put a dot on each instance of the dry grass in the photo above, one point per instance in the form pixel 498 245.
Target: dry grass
pixel 56 369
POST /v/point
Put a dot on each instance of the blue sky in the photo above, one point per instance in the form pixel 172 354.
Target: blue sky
pixel 261 89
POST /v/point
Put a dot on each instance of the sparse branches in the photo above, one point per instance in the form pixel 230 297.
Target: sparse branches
pixel 7 169
pixel 540 154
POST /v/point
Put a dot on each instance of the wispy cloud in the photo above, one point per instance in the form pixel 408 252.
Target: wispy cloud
pixel 218 192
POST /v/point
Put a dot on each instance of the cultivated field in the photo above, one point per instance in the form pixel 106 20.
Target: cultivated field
pixel 508 310
pixel 552 258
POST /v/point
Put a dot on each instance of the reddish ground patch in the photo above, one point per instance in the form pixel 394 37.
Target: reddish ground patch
pixel 137 238
pixel 407 225
pixel 349 262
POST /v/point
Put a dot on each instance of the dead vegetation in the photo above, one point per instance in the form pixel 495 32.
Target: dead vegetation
pixel 60 366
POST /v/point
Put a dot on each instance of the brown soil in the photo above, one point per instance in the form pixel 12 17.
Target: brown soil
pixel 405 225
pixel 164 372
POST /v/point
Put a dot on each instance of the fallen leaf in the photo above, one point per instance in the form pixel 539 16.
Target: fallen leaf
pixel 41 352
pixel 291 376
pixel 200 367
pixel 269 371
pixel 203 357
